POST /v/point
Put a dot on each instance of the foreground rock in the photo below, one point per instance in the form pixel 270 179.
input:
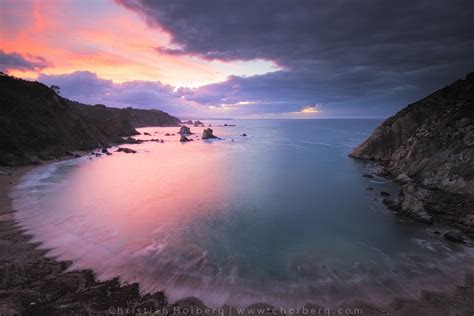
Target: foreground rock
pixel 428 147
pixel 208 134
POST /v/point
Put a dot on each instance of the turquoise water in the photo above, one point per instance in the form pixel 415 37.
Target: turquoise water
pixel 281 216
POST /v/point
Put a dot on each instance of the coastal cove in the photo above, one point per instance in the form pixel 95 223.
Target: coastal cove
pixel 192 180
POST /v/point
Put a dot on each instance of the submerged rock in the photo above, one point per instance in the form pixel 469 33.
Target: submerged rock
pixel 383 193
pixel 208 134
pixel 368 176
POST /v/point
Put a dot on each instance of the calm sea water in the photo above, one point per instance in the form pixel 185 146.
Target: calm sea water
pixel 280 216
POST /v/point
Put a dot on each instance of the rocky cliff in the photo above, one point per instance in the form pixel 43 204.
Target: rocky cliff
pixel 429 146
pixel 37 124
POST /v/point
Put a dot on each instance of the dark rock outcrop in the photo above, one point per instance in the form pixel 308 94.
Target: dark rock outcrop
pixel 184 130
pixel 430 141
pixel 126 150
pixel 428 147
pixel 184 139
pixel 198 123
pixel 208 134
pixel 36 124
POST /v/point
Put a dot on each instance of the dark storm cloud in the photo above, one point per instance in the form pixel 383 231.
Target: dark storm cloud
pixel 9 61
pixel 332 51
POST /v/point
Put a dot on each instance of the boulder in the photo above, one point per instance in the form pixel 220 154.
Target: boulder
pixel 104 150
pixel 411 201
pixel 147 134
pixel 208 134
pixel 244 134
pixel 454 236
pixel 198 123
pixel 184 130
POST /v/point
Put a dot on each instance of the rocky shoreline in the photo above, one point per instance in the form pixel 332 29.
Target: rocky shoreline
pixel 428 147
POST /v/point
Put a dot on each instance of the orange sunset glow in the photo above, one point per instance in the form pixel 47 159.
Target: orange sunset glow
pixel 108 40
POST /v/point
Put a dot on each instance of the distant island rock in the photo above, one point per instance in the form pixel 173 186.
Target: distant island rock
pixel 37 124
pixel 428 147
pixel 207 133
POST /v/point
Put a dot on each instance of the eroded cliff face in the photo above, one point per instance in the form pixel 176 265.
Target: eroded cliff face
pixel 431 141
pixel 429 148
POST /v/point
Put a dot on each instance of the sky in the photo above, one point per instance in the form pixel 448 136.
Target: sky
pixel 241 58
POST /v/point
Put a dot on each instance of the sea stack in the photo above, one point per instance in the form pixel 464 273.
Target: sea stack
pixel 208 133
pixel 184 130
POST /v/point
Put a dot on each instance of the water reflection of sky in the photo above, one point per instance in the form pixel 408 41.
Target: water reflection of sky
pixel 281 216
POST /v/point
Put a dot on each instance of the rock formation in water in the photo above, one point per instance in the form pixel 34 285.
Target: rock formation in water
pixel 198 123
pixel 37 124
pixel 126 150
pixel 429 148
pixel 184 130
pixel 207 133
pixel 184 139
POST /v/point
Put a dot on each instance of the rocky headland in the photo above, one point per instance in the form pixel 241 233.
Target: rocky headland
pixel 37 124
pixel 428 147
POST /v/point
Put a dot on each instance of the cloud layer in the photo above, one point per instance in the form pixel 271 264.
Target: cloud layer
pixel 333 52
pixel 325 58
pixel 15 60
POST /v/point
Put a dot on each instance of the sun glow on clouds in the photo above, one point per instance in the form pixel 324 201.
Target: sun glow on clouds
pixel 107 39
pixel 310 109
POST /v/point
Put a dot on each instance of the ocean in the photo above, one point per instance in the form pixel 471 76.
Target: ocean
pixel 280 216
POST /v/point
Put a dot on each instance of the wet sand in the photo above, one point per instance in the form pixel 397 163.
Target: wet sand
pixel 31 283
